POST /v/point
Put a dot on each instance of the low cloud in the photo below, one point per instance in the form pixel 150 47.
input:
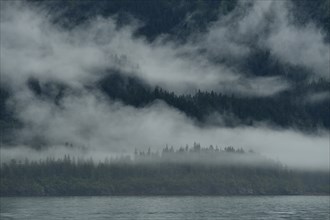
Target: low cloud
pixel 299 45
pixel 317 97
pixel 33 47
pixel 269 25
pixel 100 128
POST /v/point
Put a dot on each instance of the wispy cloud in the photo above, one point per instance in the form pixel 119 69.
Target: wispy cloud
pixel 80 54
pixel 269 24
pixel 32 46
pixel 99 128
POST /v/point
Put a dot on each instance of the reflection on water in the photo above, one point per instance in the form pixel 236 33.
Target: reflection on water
pixel 144 208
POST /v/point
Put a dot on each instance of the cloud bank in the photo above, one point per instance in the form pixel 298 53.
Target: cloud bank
pixel 33 47
pixel 98 128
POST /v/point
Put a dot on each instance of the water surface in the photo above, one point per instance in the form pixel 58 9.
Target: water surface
pixel 157 208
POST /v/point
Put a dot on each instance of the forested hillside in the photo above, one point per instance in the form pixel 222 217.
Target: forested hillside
pixel 186 171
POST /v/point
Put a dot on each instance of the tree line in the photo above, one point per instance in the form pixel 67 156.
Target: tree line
pixel 286 109
pixel 125 176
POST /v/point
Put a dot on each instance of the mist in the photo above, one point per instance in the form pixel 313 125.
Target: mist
pixel 269 25
pixel 79 55
pixel 101 127
pixel 32 47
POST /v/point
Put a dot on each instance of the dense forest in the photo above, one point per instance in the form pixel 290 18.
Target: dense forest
pixel 186 171
pixel 287 109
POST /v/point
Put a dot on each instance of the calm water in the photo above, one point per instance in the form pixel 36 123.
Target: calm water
pixel 259 207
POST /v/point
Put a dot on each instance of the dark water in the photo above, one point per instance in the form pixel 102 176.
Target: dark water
pixel 250 207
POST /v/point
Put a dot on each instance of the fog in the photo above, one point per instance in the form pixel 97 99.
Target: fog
pixel 32 46
pixel 269 25
pixel 78 55
pixel 98 127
